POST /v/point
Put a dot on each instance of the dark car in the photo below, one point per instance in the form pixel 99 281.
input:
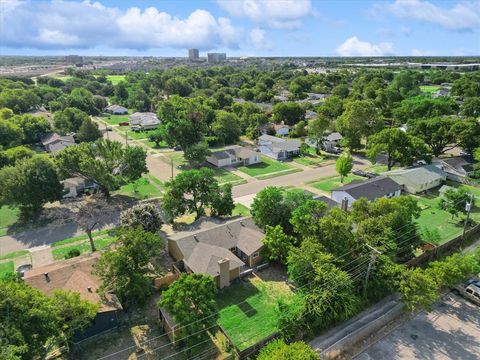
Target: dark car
pixel 371 175
pixel 125 123
pixel 22 269
pixel 359 172
pixel 475 282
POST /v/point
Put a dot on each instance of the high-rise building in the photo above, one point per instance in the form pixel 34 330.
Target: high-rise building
pixel 216 57
pixel 193 54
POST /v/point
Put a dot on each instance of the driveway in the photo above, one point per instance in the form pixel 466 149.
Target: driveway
pixel 450 331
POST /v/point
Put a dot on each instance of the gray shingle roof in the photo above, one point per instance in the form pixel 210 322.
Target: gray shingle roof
pixel 287 145
pixel 419 175
pixel 204 259
pixel 144 118
pixel 370 189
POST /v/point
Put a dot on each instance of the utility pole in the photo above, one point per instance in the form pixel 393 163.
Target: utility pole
pixel 373 258
pixel 468 209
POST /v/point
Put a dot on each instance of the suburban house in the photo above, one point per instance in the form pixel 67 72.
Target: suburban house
pixel 234 155
pixel 54 142
pixel 76 275
pixel 332 140
pixel 371 189
pixel 116 110
pixel 457 168
pixel 143 121
pixel 220 248
pixel 278 129
pixel 277 148
pixel 42 112
pixel 418 179
pixel 76 186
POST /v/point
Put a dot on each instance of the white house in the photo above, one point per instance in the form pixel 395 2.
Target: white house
pixel 234 155
pixel 143 121
pixel 375 188
pixel 418 179
pixel 332 140
pixel 116 110
pixel 277 148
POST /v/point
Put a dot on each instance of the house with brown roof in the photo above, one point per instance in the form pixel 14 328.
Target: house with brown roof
pixel 76 275
pixel 234 155
pixel 220 248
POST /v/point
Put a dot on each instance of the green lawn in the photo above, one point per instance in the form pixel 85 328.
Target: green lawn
pixel 177 157
pixel 14 254
pixel 144 190
pixel 8 216
pixel 267 166
pixel 115 79
pixel 116 119
pixel 224 176
pixel 328 184
pixel 256 315
pixel 82 237
pixel 6 268
pixel 434 218
pixel 152 145
pixel 84 247
pixel 241 210
pixel 429 89
pixel 310 160
pixel 137 135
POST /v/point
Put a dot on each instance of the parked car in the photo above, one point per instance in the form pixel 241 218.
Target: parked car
pixel 359 172
pixel 334 150
pixel 469 291
pixel 475 282
pixel 371 175
pixel 136 128
pixel 125 123
pixel 22 269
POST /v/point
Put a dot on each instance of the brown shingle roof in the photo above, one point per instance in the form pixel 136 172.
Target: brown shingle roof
pixel 72 275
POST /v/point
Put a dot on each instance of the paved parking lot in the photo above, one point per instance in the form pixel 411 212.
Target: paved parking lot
pixel 450 331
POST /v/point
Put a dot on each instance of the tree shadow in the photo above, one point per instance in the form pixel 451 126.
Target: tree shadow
pixel 248 309
pixel 235 294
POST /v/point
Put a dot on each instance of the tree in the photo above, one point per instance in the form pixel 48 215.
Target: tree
pixel 69 120
pixel 193 191
pixel 306 216
pixel 12 155
pixel 468 133
pixel 104 162
pixel 471 107
pixel 289 113
pixel 279 350
pixel 186 132
pixel 316 131
pixel 31 319
pixel 88 131
pixel 30 184
pixel 145 215
pixel 424 107
pixel 344 165
pixel 178 86
pixel 19 100
pixel 299 129
pixel 196 309
pixel 398 146
pixel 222 201
pixel 83 100
pixel 10 134
pixel 359 119
pixel 226 127
pixel 454 200
pixel 157 135
pixel 196 154
pixel 124 270
pixel 418 288
pixel 277 244
pixel 438 133
pixel 33 127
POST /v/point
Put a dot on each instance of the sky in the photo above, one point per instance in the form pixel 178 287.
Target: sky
pixel 240 27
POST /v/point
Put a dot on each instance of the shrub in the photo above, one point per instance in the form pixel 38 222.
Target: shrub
pixel 72 253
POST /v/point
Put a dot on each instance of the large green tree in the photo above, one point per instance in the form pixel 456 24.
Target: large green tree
pixel 69 120
pixel 226 127
pixel 277 244
pixel 289 113
pixel 10 134
pixel 30 184
pixel 438 133
pixel 88 131
pixel 124 270
pixel 316 131
pixel 33 127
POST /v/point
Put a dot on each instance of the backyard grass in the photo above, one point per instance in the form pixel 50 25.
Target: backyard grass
pixel 434 218
pixel 241 210
pixel 8 216
pixel 328 184
pixel 115 79
pixel 429 89
pixel 115 119
pixel 267 166
pixel 84 247
pixel 6 268
pixel 14 254
pixel 141 189
pixel 248 311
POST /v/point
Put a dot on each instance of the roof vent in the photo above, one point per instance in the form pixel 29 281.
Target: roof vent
pixel 89 289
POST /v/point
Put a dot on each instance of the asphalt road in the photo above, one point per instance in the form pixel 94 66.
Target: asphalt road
pixel 450 331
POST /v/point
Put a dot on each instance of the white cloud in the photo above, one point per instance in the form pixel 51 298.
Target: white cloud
pixel 462 16
pixel 258 39
pixel 278 14
pixel 59 24
pixel 355 47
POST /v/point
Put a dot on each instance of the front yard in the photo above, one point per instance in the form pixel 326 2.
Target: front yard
pixel 116 119
pixel 8 217
pixel 267 168
pixel 328 184
pixel 249 311
pixel 141 189
pixel 101 239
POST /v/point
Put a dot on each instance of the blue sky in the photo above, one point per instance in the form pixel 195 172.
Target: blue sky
pixel 240 27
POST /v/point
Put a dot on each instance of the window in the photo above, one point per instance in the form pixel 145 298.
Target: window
pixel 255 255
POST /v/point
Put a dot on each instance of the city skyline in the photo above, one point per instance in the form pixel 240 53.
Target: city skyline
pixel 241 28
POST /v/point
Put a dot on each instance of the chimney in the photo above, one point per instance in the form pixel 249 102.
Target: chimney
pixel 46 276
pixel 224 273
pixel 345 204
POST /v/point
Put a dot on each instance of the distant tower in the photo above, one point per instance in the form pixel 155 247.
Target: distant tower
pixel 216 57
pixel 193 54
